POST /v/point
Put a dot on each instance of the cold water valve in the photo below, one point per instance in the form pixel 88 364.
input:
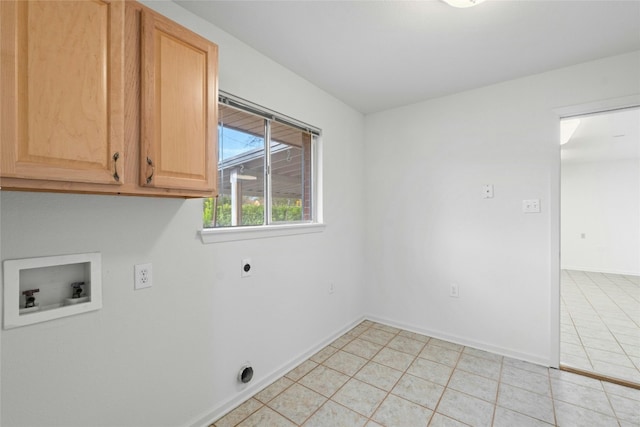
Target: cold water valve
pixel 77 289
pixel 78 295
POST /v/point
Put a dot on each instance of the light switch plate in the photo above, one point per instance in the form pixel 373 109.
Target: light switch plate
pixel 487 191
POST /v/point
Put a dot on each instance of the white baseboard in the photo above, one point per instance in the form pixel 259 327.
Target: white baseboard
pixel 601 270
pixel 206 419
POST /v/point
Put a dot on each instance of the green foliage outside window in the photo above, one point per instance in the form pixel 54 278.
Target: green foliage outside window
pixel 252 214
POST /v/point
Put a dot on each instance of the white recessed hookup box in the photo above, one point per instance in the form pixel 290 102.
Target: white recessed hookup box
pixel 46 288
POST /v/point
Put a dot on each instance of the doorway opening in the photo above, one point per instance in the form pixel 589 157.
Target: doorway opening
pixel 600 245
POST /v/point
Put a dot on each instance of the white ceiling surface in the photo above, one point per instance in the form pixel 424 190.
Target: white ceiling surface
pixel 376 55
pixel 605 136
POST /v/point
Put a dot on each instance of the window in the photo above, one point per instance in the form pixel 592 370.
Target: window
pixel 266 168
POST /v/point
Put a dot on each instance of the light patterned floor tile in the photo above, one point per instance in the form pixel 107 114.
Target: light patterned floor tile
pixel 479 366
pixel 362 348
pixel 323 354
pixel 618 390
pixel 625 409
pixel 417 390
pixel 386 328
pixel 440 354
pixel 406 345
pixel 439 420
pixel 507 418
pixel 483 354
pixel 527 380
pixel 525 366
pixel 525 402
pixel 360 397
pixel 301 370
pixel 465 408
pixel 324 380
pixel 446 344
pixel 474 385
pixel 397 412
pixel 334 415
pixel 346 363
pixel 393 358
pixel 586 397
pixel 297 403
pixel 570 415
pixel 379 376
pixel 430 371
pixel 377 336
pixel 266 417
pixel 273 390
pixel 239 414
pixel 342 341
pixel 415 336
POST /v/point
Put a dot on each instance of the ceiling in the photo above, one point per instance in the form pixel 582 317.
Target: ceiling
pixel 607 136
pixel 376 55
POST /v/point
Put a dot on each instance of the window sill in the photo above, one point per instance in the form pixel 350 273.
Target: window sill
pixel 220 235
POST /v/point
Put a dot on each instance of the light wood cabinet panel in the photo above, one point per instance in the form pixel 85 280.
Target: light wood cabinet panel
pixel 62 101
pixel 179 107
pixel 61 127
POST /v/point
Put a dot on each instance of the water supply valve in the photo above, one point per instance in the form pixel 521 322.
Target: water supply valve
pixel 30 299
pixel 77 289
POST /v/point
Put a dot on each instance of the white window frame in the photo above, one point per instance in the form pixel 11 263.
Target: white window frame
pixel 235 233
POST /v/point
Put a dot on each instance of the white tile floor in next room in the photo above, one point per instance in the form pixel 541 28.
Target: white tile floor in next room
pixel 376 375
pixel 600 324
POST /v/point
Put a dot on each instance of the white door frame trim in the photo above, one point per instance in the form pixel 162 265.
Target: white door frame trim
pixel 595 107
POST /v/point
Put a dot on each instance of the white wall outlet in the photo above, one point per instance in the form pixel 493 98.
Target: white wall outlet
pixel 453 291
pixel 531 206
pixel 143 276
pixel 487 191
pixel 332 288
pixel 246 267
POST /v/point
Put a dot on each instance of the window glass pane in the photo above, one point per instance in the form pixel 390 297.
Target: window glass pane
pixel 260 185
pixel 241 144
pixel 290 174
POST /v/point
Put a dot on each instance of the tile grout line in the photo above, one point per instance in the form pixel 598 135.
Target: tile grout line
pixel 453 370
pixel 388 393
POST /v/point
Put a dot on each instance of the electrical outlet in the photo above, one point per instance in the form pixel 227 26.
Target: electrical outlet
pixel 245 267
pixel 453 291
pixel 531 206
pixel 332 288
pixel 143 276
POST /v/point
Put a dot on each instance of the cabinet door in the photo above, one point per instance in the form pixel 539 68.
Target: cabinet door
pixel 179 107
pixel 62 90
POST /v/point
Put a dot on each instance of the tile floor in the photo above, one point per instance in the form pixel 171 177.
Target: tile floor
pixel 600 323
pixel 376 375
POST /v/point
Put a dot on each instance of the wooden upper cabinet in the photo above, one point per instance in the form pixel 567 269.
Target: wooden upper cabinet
pixel 178 107
pixel 62 90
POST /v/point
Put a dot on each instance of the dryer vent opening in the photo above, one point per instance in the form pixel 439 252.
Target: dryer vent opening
pixel 246 374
